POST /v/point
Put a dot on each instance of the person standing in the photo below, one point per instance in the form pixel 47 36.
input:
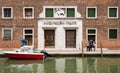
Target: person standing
pixel 94 45
pixel 88 45
pixel 91 45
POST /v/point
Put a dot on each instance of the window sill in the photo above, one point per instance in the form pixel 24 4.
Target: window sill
pixel 6 39
pixel 91 17
pixel 112 17
pixel 6 18
pixel 113 39
pixel 28 17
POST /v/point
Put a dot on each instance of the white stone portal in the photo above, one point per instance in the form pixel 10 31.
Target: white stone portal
pixel 59 25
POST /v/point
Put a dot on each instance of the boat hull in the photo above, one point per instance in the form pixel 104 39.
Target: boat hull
pixel 25 55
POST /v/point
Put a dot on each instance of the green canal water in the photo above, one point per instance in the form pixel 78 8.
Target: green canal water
pixel 61 65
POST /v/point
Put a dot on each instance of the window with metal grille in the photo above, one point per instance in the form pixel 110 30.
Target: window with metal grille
pixel 28 12
pixel 7 12
pixel 7 34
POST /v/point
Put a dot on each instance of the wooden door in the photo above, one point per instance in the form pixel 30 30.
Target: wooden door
pixel 49 38
pixel 28 39
pixel 70 38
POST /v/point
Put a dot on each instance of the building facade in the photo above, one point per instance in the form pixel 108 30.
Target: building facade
pixel 60 24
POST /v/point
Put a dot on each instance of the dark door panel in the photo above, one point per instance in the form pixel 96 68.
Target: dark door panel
pixel 70 38
pixel 49 38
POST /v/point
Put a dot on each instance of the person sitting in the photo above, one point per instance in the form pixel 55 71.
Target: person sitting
pixel 23 42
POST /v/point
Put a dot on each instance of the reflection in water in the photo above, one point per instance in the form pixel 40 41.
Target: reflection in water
pixel 21 66
pixel 70 66
pixel 91 65
pixel 113 68
pixel 62 65
pixel 49 66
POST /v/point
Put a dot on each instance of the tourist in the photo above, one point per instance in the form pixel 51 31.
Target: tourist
pixel 88 45
pixel 94 45
pixel 91 44
pixel 23 42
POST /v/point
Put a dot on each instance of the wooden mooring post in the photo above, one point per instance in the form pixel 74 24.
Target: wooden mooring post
pixel 82 50
pixel 101 48
pixel 44 44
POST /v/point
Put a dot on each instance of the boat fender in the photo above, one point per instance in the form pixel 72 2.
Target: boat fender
pixel 17 51
pixel 45 53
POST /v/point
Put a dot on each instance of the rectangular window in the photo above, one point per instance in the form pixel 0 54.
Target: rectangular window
pixel 49 12
pixel 112 12
pixel 29 35
pixel 113 33
pixel 91 34
pixel 29 31
pixel 28 12
pixel 91 12
pixel 7 34
pixel 60 11
pixel 70 12
pixel 91 31
pixel 7 12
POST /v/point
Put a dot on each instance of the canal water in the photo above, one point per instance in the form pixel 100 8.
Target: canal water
pixel 61 65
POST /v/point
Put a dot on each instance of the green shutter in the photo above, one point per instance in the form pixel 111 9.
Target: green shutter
pixel 70 12
pixel 113 34
pixel 91 12
pixel 49 12
pixel 112 12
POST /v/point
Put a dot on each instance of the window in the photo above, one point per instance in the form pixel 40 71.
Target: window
pixel 70 12
pixel 7 34
pixel 28 34
pixel 91 34
pixel 7 12
pixel 113 33
pixel 112 12
pixel 59 12
pixel 28 12
pixel 49 12
pixel 91 31
pixel 28 31
pixel 91 12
